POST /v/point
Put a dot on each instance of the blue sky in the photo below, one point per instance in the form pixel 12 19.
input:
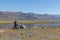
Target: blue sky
pixel 36 6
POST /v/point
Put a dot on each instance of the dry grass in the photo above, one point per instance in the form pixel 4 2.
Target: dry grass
pixel 31 34
pixel 29 21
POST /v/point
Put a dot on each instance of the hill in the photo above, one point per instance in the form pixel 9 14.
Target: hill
pixel 26 16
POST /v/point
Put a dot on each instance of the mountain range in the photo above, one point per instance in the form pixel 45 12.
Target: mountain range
pixel 27 16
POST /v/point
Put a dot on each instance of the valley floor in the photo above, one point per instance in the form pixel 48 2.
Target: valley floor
pixel 30 34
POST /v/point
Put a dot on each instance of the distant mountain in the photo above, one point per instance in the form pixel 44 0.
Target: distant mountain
pixel 26 16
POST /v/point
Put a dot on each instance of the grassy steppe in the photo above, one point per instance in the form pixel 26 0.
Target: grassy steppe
pixel 31 34
pixel 29 21
pixel 50 33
